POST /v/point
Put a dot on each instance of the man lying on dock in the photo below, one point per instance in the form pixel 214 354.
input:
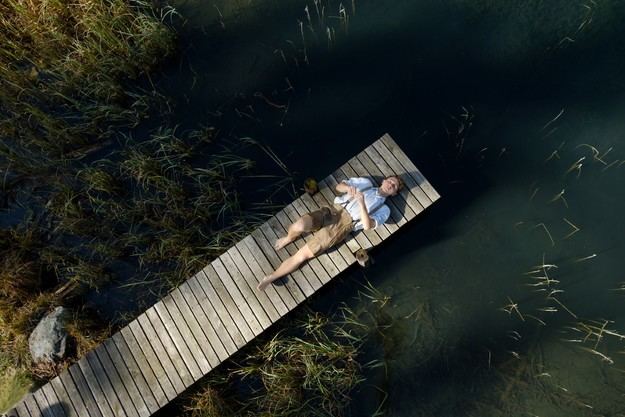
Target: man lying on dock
pixel 361 206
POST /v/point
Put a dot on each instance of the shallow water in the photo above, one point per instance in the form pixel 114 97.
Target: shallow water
pixel 496 103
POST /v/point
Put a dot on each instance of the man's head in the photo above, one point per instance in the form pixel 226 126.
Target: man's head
pixel 391 185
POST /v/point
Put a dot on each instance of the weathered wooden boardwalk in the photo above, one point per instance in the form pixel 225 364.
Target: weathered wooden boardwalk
pixel 213 314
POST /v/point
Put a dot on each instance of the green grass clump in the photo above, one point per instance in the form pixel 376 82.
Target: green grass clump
pixel 14 384
pixel 309 371
pixel 67 72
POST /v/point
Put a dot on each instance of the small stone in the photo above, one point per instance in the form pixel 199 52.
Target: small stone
pixel 48 341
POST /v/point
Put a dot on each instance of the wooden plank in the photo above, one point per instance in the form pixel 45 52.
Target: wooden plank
pixel 326 198
pixel 148 368
pixel 397 212
pixel 297 276
pixel 56 405
pixel 121 381
pixel 262 312
pixel 44 405
pixel 291 294
pixel 347 172
pixel 91 405
pixel 223 303
pixel 196 336
pixel 416 198
pixel 20 410
pixel 315 202
pixel 96 388
pixel 395 150
pixel 56 408
pixel 234 261
pixel 390 144
pixel 160 340
pixel 153 359
pixel 72 393
pixel 219 340
pixel 216 314
pixel 241 255
pixel 31 405
pixel 121 357
pixel 313 270
pixel 266 251
pixel 114 399
pixel 248 328
pixel 196 369
pixel 252 319
pixel 63 397
pixel 148 387
pixel 325 262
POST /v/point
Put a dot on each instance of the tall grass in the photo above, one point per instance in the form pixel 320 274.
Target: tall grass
pixel 65 70
pixel 72 74
pixel 305 371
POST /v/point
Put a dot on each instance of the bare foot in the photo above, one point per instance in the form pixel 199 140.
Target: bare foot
pixel 263 284
pixel 282 242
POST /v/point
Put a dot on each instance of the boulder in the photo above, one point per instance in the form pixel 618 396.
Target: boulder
pixel 49 339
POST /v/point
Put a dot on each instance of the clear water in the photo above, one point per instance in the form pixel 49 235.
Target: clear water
pixel 479 94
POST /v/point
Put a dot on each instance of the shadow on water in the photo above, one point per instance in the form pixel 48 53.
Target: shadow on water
pixel 402 80
pixel 412 69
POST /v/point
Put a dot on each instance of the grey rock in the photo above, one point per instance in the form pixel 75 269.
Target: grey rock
pixel 49 339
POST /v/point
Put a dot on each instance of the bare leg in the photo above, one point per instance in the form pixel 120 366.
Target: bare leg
pixel 303 224
pixel 289 265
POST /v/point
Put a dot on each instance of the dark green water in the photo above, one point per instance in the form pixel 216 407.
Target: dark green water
pixel 479 94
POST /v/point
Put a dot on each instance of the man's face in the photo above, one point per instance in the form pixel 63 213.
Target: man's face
pixel 390 185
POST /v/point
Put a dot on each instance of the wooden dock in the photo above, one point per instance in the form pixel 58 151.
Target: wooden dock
pixel 216 312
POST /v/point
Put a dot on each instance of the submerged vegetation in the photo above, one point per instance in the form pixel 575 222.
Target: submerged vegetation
pixel 309 368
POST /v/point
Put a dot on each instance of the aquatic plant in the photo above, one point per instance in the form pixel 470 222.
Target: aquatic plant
pixel 307 370
pixel 65 72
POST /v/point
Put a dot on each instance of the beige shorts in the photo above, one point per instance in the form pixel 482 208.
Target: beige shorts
pixel 330 226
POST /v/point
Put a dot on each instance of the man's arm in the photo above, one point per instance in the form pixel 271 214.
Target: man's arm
pixel 367 222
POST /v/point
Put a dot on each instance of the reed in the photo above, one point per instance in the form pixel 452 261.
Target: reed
pixel 585 258
pixel 66 73
pixel 550 122
pixel 307 371
pixel 560 196
pixel 512 307
pixel 576 166
pixel 574 227
pixel 544 227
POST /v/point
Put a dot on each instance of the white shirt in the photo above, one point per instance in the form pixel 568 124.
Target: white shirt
pixel 378 211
